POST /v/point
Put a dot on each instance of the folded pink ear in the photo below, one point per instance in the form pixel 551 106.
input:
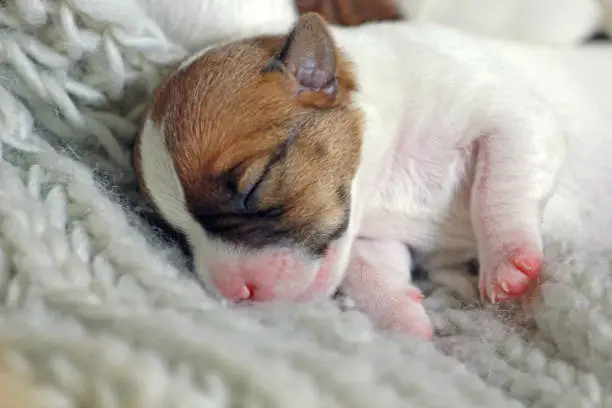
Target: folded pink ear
pixel 309 57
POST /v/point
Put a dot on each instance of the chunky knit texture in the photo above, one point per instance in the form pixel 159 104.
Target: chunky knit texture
pixel 99 311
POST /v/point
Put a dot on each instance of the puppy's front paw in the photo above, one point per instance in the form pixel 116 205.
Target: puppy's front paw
pixel 376 281
pixel 506 273
pixel 403 312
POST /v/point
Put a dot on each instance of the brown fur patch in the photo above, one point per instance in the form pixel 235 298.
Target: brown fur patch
pixel 351 12
pixel 261 162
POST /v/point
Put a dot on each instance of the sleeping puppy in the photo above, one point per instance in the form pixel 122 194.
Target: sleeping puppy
pixel 300 163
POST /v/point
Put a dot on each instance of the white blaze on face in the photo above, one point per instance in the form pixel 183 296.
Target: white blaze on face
pixel 166 192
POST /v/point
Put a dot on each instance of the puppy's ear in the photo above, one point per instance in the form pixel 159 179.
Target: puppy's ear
pixel 309 61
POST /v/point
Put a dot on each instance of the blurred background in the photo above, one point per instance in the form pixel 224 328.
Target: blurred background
pixel 194 23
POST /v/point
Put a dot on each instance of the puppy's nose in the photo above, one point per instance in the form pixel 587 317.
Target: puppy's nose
pixel 243 294
pixel 251 288
pixel 239 294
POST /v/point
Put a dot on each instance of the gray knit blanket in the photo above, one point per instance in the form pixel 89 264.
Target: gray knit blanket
pixel 99 308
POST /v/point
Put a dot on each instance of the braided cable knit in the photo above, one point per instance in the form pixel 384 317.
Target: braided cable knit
pixel 99 311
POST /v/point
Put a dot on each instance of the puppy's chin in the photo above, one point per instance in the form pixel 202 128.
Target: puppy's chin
pixel 271 274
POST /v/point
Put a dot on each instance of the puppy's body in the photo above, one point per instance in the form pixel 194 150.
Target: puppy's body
pixel 465 145
pixel 438 93
pixel 430 93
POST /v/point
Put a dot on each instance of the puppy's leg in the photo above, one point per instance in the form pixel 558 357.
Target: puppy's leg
pixel 378 281
pixel 514 176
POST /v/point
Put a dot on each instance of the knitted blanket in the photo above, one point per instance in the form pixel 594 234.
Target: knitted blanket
pixel 100 310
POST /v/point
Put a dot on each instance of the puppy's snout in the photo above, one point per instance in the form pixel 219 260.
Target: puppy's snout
pixel 267 277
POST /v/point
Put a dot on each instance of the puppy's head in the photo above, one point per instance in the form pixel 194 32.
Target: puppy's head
pixel 250 149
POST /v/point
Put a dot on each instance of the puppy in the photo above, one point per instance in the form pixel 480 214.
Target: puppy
pixel 298 163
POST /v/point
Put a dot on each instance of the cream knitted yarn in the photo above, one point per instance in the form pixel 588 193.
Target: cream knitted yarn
pixel 98 311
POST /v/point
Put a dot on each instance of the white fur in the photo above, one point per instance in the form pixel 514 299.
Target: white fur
pixel 423 83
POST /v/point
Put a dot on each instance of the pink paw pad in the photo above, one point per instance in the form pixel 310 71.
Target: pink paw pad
pixel 513 278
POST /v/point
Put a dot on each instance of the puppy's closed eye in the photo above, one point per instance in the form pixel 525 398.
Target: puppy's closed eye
pixel 243 181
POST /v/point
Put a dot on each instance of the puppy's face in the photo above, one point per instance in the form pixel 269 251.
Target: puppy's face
pixel 250 149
